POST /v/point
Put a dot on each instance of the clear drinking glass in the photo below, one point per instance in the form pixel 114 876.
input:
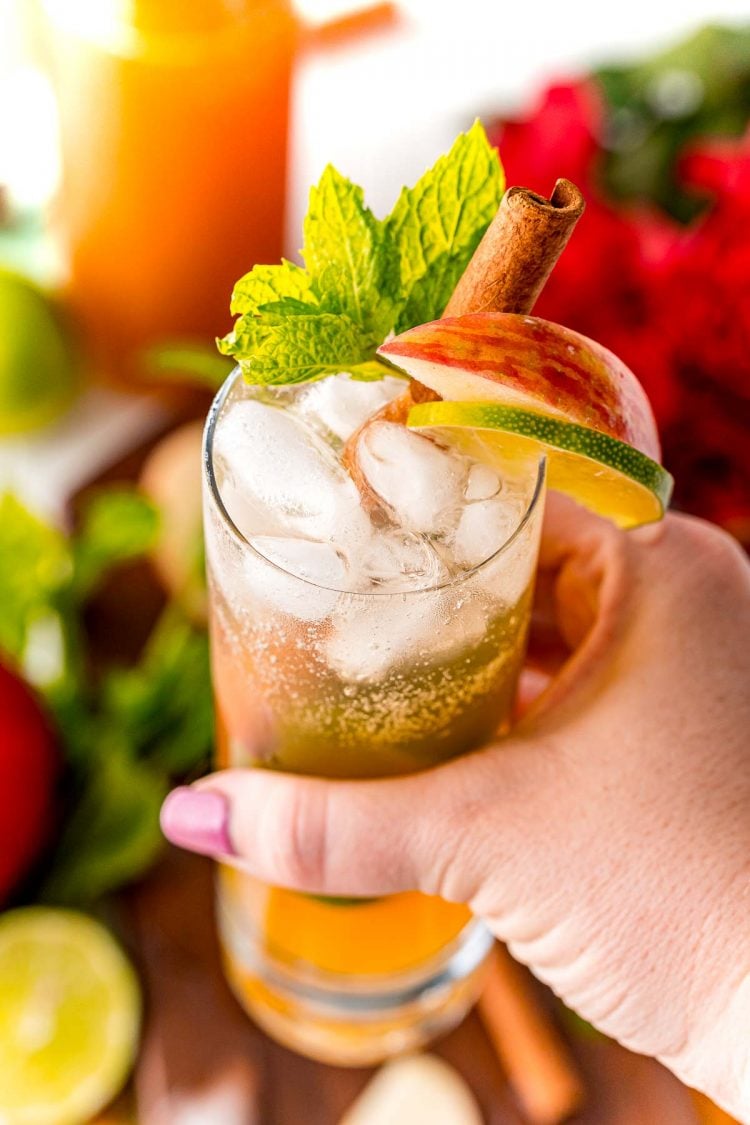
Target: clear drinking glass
pixel 341 683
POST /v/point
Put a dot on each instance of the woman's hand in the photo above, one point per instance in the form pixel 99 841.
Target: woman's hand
pixel 607 840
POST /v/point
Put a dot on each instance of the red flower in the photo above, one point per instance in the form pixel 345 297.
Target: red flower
pixel 709 276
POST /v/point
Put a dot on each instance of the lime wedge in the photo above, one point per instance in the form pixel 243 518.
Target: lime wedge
pixel 608 476
pixel 69 1017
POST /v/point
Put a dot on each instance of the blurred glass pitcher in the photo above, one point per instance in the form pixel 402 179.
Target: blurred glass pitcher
pixel 174 119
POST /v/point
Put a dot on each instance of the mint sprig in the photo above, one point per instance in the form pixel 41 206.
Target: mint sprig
pixel 125 732
pixel 437 224
pixel 265 284
pixel 351 259
pixel 364 277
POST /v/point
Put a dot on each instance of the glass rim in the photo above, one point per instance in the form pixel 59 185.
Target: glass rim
pixel 209 432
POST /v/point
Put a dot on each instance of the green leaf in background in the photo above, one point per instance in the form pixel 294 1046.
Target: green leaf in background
pixel 113 833
pixel 143 726
pixel 184 362
pixel 35 567
pixel 699 87
pixel 118 524
pixel 264 284
pixel 163 705
pixel 351 260
pixel 438 223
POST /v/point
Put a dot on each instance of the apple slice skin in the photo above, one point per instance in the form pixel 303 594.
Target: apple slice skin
pixel 518 360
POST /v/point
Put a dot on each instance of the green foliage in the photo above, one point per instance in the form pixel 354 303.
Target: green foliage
pixel 364 277
pixel 163 704
pixel 118 524
pixel 126 732
pixel 112 833
pixel 352 261
pixel 265 284
pixel 186 363
pixel 438 223
pixel 35 568
pixel 698 88
pixel 296 349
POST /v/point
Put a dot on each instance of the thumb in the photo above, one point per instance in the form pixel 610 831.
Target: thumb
pixel 437 831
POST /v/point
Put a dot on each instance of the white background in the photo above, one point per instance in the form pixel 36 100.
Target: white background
pixel 382 112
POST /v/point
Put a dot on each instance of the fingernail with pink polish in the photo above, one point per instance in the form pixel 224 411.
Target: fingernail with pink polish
pixel 197 819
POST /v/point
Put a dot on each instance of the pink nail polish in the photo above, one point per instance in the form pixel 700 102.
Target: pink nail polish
pixel 197 819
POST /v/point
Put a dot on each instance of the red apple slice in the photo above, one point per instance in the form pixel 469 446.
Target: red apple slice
pixel 522 361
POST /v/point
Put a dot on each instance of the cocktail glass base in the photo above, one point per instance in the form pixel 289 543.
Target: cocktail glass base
pixel 349 1020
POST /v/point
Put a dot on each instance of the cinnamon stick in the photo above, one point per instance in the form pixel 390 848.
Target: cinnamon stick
pixel 708 1113
pixel 507 271
pixel 536 1061
pixel 518 251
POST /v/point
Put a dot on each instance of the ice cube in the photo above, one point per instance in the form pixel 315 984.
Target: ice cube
pixel 398 561
pixel 483 528
pixel 377 634
pixel 303 581
pixel 276 477
pixel 421 483
pixel 482 484
pixel 341 404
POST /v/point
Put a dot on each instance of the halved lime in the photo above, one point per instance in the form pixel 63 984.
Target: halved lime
pixel 608 476
pixel 69 1017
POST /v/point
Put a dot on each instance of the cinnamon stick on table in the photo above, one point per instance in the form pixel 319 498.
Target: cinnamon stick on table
pixel 539 1068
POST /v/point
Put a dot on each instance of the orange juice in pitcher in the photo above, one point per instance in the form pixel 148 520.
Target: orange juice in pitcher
pixel 174 122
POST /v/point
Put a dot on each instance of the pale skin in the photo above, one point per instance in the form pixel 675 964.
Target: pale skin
pixel 607 840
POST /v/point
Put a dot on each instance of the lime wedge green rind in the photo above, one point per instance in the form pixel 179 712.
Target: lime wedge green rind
pixel 552 434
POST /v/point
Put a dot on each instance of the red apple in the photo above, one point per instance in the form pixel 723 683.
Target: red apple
pixel 518 360
pixel 29 764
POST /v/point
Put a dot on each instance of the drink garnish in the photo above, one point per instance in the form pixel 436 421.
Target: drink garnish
pixel 365 277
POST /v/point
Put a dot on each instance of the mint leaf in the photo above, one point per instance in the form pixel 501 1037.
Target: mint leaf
pixel 113 833
pixel 438 223
pixel 296 349
pixel 118 524
pixel 350 258
pixel 35 568
pixel 124 732
pixel 264 284
pixel 164 705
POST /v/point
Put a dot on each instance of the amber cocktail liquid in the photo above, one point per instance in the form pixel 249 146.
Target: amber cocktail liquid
pixel 346 643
